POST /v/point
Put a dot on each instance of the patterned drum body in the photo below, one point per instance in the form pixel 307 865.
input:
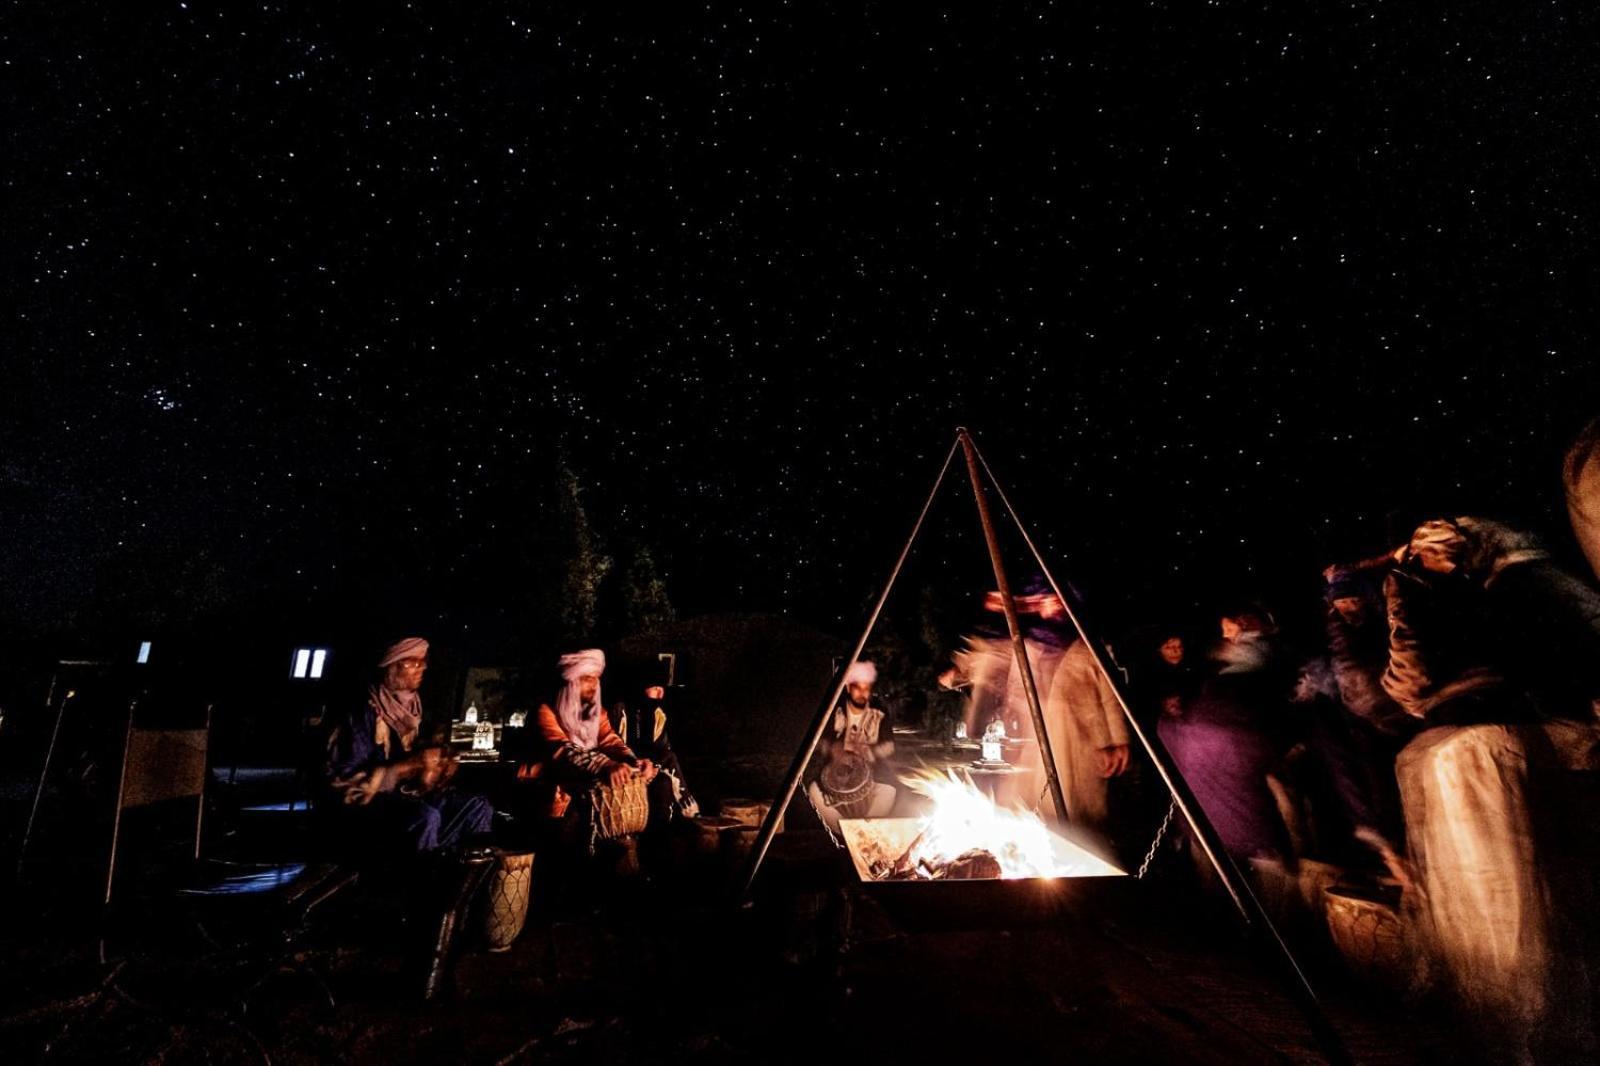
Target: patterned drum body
pixel 847 785
pixel 505 909
pixel 620 810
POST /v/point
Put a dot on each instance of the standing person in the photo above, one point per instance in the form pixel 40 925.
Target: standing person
pixel 1169 682
pixel 861 728
pixel 391 785
pixel 1223 744
pixel 1088 733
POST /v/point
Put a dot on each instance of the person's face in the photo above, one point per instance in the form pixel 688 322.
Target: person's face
pixel 1231 629
pixel 405 675
pixel 1172 650
pixel 1350 608
pixel 588 688
pixel 860 693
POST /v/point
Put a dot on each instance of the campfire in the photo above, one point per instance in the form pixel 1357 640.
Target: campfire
pixel 964 837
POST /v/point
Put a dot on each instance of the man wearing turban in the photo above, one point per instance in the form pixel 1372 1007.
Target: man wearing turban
pixel 387 779
pixel 862 729
pixel 580 746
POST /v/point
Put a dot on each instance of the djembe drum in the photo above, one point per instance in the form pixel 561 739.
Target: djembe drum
pixel 620 810
pixel 505 908
pixel 847 785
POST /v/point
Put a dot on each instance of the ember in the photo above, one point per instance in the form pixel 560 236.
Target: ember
pixel 965 837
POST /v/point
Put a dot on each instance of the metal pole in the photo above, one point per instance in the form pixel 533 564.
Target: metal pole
pixel 116 824
pixel 205 779
pixel 1018 646
pixel 44 774
pixel 819 725
pixel 1250 910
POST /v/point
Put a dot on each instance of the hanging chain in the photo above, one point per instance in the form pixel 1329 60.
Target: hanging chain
pixel 1155 845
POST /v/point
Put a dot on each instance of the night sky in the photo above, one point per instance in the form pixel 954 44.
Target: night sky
pixel 305 306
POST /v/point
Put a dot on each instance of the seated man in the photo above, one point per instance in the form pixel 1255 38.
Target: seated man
pixel 643 727
pixel 579 747
pixel 392 788
pixel 859 728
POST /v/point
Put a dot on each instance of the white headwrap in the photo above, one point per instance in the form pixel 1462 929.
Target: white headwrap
pixel 861 672
pixel 579 720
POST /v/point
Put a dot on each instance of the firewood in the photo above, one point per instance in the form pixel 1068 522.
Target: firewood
pixel 974 865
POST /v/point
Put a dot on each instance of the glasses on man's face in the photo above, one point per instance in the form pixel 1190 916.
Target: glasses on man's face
pixel 412 664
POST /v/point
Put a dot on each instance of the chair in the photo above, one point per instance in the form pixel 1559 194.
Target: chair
pixel 169 766
pixel 159 765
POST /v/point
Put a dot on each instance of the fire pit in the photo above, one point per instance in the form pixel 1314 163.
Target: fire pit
pixel 969 860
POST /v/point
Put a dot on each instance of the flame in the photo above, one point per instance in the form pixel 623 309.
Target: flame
pixel 963 818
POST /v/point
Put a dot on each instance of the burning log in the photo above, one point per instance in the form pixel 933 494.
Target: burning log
pixel 965 837
pixel 974 865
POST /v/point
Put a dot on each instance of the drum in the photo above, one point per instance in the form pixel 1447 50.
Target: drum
pixel 847 785
pixel 620 810
pixel 1370 934
pixel 505 909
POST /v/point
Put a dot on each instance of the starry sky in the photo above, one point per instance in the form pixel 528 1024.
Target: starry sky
pixel 304 304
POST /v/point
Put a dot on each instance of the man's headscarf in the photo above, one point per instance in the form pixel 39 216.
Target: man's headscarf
pixel 861 672
pixel 401 711
pixel 579 720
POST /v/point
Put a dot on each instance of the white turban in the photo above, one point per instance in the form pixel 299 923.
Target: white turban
pixel 579 720
pixel 861 672
pixel 588 663
pixel 409 648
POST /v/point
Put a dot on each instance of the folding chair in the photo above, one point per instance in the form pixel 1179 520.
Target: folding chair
pixel 159 765
pixel 168 766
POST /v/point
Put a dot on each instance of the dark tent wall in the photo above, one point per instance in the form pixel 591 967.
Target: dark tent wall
pixel 746 686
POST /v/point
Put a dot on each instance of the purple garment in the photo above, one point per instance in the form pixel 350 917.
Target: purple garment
pixel 1225 764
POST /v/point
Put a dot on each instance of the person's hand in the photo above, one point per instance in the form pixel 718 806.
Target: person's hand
pixel 647 769
pixel 1113 760
pixel 359 789
pixel 618 774
pixel 430 763
pixel 436 768
pixel 655 692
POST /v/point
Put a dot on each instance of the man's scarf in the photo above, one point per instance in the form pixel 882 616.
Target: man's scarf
pixel 400 711
pixel 580 721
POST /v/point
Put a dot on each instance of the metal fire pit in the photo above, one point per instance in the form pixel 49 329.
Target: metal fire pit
pixel 980 902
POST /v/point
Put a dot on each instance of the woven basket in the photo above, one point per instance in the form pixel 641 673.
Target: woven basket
pixel 620 810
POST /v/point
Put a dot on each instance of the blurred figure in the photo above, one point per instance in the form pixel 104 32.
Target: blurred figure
pixel 1088 733
pixel 1497 651
pixel 1483 626
pixel 1580 474
pixel 1223 743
